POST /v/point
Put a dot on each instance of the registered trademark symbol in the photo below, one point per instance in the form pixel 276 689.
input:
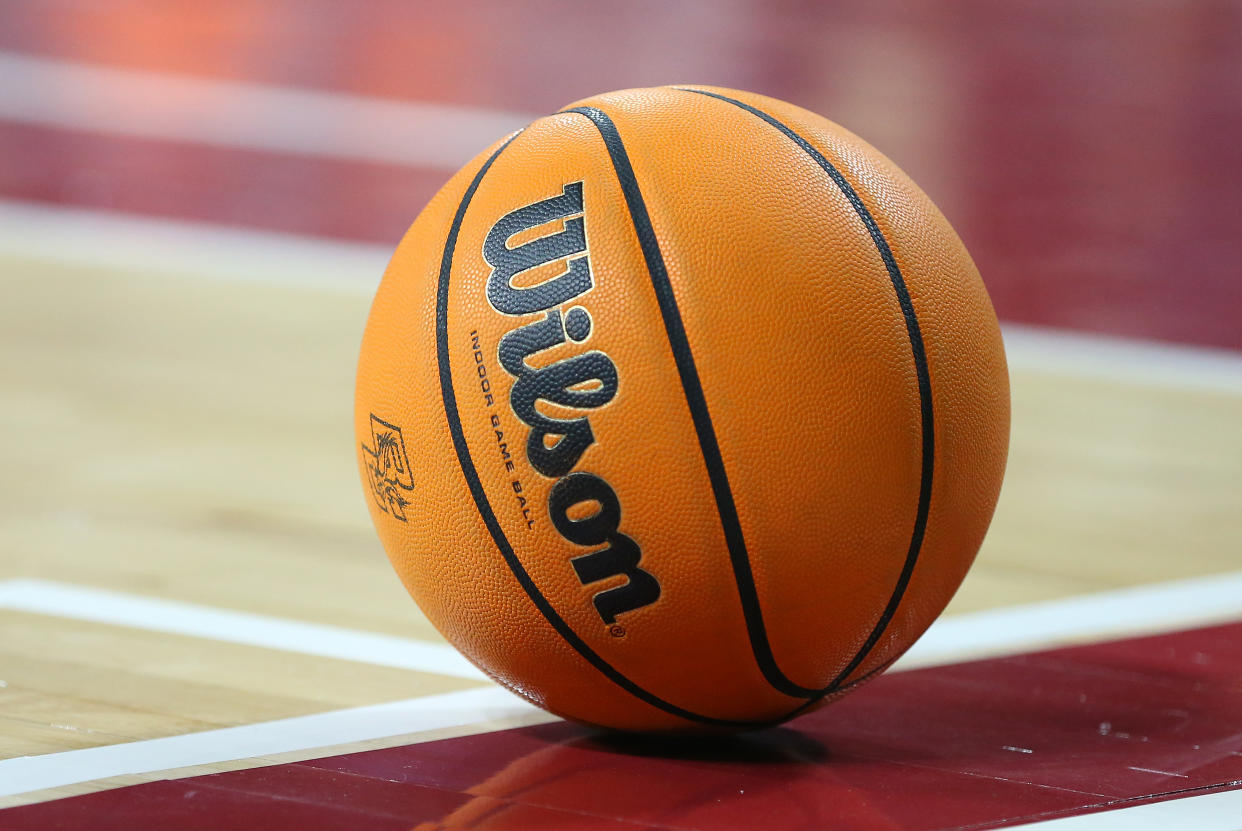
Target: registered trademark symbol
pixel 616 630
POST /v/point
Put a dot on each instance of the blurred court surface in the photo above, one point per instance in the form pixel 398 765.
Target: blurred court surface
pixel 198 627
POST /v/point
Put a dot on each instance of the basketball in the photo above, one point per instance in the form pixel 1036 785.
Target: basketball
pixel 681 409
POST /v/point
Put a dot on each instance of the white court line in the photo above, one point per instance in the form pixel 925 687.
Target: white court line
pixel 157 105
pixel 490 705
pixel 174 617
pixel 1120 613
pixel 1161 607
pixel 1141 610
pixel 1112 358
pixel 1206 812
pixel 170 248
pixel 102 240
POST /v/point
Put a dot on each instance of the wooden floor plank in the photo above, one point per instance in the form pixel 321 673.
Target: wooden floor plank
pixel 72 684
pixel 191 440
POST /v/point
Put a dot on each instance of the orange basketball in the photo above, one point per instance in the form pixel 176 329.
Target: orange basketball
pixel 681 409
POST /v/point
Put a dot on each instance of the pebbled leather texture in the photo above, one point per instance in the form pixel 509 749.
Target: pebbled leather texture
pixel 806 373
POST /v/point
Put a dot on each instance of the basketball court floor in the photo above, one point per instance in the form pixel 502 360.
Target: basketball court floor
pixel 198 627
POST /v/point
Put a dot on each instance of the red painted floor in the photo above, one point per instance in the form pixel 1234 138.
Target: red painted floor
pixel 1090 154
pixel 969 746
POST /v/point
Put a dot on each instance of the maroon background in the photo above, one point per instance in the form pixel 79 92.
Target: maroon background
pixel 1090 154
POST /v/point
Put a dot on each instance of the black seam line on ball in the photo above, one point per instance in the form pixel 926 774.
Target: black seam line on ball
pixel 692 388
pixel 840 689
pixel 920 368
pixel 480 497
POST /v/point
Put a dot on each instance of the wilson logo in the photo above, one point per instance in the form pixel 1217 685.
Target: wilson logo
pixel 580 382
